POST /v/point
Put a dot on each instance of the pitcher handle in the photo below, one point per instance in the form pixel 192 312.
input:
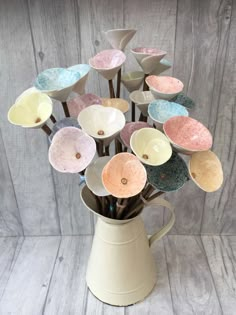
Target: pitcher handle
pixel 165 229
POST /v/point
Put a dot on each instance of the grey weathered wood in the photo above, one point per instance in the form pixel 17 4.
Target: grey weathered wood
pixel 221 254
pixel 192 287
pixel 219 208
pixel 27 287
pixel 10 221
pixel 68 291
pixel 9 248
pixel 201 35
pixel 159 301
pixel 26 150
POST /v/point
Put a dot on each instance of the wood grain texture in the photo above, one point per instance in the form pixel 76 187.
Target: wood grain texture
pixel 221 254
pixel 68 290
pixel 159 301
pixel 10 221
pixel 200 46
pixel 27 287
pixel 192 287
pixel 9 248
pixel 26 150
pixel 219 208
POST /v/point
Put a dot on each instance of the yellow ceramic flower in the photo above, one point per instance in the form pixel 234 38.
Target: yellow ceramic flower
pixel 31 110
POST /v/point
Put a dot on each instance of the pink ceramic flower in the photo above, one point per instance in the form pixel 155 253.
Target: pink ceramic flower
pixel 78 103
pixel 124 175
pixel 71 150
pixel 129 129
pixel 188 134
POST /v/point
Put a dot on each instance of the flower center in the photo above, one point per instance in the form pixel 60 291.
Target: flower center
pixel 145 156
pixel 194 175
pixel 101 132
pixel 37 120
pixel 124 181
pixel 78 155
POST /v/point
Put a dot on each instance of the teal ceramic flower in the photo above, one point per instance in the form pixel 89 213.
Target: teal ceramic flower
pixel 169 176
pixel 162 110
pixel 184 100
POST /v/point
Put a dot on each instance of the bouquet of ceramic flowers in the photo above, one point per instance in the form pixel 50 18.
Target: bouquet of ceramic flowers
pixel 145 161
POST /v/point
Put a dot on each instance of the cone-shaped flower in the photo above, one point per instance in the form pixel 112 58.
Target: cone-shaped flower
pixel 151 146
pixel 117 103
pixel 161 66
pixel 184 100
pixel 108 62
pixel 148 58
pixel 31 110
pixel 57 82
pixel 129 129
pixel 101 122
pixel 65 122
pixel 187 134
pixel 160 111
pixel 169 176
pixel 71 150
pixel 76 104
pixel 142 100
pixel 164 87
pixel 93 176
pixel 119 38
pixel 132 80
pixel 124 176
pixel 206 170
pixel 83 70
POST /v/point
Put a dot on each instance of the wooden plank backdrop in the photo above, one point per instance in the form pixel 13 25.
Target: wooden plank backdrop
pixel 199 37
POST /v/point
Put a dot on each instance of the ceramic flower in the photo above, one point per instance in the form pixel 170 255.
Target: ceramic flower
pixel 93 176
pixel 124 176
pixel 117 103
pixel 108 62
pixel 187 134
pixel 129 129
pixel 151 146
pixel 169 176
pixel 101 122
pixel 160 111
pixel 76 104
pixel 31 110
pixel 132 80
pixel 161 66
pixel 142 100
pixel 83 70
pixel 206 171
pixel 164 87
pixel 57 82
pixel 184 100
pixel 71 151
pixel 119 38
pixel 65 122
pixel 148 57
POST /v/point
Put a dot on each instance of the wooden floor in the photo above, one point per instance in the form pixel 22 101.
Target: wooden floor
pixel 46 275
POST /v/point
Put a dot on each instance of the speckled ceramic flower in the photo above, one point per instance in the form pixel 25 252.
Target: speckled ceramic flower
pixel 71 150
pixel 78 103
pixel 83 70
pixel 169 176
pixel 184 100
pixel 129 129
pixel 65 122
pixel 31 110
pixel 124 176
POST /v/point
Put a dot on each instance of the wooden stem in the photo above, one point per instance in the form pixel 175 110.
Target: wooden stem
pixel 46 129
pixel 133 111
pixel 107 150
pixel 66 110
pixel 118 84
pixel 111 89
pixel 53 119
pixel 142 117
pixel 145 86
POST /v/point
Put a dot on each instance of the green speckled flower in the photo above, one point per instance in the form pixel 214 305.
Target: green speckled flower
pixel 184 100
pixel 169 176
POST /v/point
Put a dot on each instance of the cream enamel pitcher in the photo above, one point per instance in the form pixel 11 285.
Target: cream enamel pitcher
pixel 121 269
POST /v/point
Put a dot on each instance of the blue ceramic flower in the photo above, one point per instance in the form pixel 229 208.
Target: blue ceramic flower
pixel 56 79
pixel 83 69
pixel 169 176
pixel 161 110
